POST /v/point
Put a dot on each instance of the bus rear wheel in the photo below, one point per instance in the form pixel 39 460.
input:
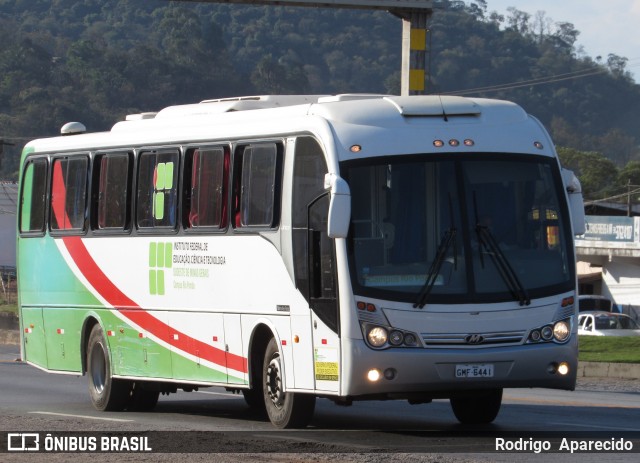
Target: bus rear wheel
pixel 285 409
pixel 142 399
pixel 480 408
pixel 107 393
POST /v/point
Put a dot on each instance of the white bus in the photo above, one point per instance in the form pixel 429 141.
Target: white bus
pixel 350 247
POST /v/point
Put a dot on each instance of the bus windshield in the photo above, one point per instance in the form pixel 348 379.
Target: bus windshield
pixel 471 229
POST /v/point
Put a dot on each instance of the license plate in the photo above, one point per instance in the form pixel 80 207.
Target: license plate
pixel 474 371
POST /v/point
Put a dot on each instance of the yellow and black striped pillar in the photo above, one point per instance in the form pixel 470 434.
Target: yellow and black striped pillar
pixel 414 53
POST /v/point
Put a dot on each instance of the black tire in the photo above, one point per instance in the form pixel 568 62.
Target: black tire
pixel 481 408
pixel 141 399
pixel 285 409
pixel 107 393
pixel 254 397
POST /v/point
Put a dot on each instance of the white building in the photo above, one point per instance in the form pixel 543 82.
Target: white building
pixel 611 247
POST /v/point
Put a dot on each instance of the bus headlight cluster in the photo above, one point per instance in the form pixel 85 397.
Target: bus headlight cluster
pixel 380 337
pixel 377 336
pixel 557 332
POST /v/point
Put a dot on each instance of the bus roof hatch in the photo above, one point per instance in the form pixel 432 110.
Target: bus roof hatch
pixel 434 105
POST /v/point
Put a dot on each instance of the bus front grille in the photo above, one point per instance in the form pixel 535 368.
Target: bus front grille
pixel 448 340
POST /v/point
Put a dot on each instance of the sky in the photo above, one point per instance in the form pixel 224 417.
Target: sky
pixel 606 26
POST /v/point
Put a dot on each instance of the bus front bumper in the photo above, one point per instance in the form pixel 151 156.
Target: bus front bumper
pixel 442 373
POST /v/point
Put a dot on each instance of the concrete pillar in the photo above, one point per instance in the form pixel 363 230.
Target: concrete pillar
pixel 414 52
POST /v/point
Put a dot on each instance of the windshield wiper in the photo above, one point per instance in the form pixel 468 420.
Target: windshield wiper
pixel 508 274
pixel 432 275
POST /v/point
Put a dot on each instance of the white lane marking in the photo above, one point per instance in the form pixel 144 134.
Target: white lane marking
pixel 82 416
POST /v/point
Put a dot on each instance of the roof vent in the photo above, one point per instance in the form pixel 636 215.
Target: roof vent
pixel 73 128
pixel 140 117
pixel 349 97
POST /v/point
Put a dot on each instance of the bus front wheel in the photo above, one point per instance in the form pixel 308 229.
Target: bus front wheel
pixel 107 393
pixel 285 409
pixel 480 408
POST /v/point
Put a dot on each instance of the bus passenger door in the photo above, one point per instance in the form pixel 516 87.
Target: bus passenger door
pixel 314 269
pixel 323 298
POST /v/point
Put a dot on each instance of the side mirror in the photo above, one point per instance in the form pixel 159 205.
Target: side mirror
pixel 339 206
pixel 576 203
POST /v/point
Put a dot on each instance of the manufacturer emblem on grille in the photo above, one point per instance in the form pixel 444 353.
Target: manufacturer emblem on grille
pixel 474 339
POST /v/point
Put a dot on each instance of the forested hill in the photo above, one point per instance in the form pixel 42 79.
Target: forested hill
pixel 96 60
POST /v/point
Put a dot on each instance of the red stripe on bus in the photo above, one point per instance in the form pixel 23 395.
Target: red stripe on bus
pixel 127 307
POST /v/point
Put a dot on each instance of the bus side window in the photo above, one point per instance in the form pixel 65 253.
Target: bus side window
pixel 206 196
pixel 33 194
pixel 112 180
pixel 157 196
pixel 69 194
pixel 257 183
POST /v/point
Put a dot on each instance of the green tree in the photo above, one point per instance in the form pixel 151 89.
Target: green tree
pixel 630 174
pixel 598 175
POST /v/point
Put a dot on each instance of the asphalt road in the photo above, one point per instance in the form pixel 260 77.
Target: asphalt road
pixel 32 400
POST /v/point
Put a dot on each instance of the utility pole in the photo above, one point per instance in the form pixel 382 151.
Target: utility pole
pixel 2 145
pixel 414 15
pixel 629 208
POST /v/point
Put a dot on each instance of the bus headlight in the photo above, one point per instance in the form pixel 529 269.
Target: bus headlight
pixel 561 331
pixel 547 333
pixel 377 336
pixel 396 338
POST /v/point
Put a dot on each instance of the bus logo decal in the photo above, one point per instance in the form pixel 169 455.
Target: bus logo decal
pixel 160 257
pixel 474 339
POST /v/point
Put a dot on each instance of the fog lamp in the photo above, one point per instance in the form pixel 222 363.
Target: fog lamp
pixel 563 368
pixel 373 375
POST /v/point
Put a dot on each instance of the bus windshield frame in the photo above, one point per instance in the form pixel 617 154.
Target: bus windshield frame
pixel 472 228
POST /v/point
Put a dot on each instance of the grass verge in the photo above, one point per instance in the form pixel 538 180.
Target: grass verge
pixel 625 349
pixel 5 307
